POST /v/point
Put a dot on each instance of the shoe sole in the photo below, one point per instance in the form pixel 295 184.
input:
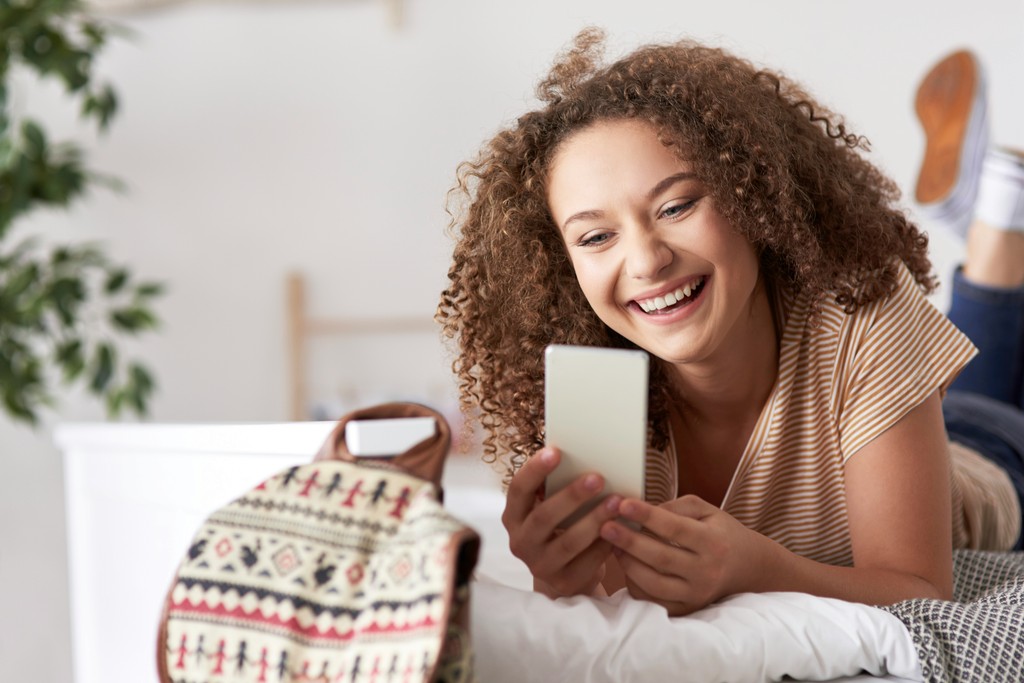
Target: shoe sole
pixel 943 105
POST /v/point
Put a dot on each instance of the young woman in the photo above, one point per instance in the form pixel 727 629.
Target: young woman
pixel 684 202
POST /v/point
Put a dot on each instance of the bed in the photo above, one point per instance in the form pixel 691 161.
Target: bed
pixel 136 493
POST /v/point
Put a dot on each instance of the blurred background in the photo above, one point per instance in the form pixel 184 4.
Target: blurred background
pixel 265 139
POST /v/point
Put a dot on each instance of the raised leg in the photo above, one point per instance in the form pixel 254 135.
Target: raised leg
pixel 988 291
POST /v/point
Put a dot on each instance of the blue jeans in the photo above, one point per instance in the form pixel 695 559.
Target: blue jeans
pixel 984 409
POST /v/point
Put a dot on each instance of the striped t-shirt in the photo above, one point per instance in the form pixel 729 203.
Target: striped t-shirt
pixel 840 384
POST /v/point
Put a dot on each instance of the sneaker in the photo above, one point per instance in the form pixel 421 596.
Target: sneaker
pixel 952 107
pixel 1001 193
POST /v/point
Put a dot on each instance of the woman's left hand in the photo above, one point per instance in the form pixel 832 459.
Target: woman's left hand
pixel 689 554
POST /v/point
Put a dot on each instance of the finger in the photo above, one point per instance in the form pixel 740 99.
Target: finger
pixel 673 608
pixel 691 506
pixel 549 515
pixel 682 532
pixel 584 572
pixel 646 582
pixel 652 581
pixel 655 551
pixel 573 542
pixel 678 524
pixel 635 590
pixel 522 490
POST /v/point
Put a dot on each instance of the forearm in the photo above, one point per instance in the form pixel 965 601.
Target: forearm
pixel 693 554
pixel 782 570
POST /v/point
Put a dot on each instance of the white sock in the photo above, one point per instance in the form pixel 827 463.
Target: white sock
pixel 1000 202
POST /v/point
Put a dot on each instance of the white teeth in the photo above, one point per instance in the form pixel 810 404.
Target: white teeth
pixel 672 298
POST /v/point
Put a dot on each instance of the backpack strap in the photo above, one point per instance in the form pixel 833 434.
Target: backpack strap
pixel 425 459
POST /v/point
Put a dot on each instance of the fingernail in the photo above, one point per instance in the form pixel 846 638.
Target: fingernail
pixel 612 504
pixel 592 482
pixel 547 456
pixel 609 532
pixel 627 508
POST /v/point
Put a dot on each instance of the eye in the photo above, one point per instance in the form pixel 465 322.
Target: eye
pixel 678 209
pixel 593 239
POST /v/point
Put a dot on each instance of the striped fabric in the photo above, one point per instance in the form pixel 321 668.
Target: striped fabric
pixel 839 386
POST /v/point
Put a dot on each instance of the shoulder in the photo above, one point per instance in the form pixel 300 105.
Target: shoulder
pixel 901 311
pixel 907 318
pixel 902 335
pixel 906 296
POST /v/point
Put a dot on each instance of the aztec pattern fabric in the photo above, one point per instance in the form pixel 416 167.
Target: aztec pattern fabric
pixel 979 637
pixel 339 570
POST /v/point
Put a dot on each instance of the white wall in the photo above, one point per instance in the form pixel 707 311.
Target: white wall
pixel 260 137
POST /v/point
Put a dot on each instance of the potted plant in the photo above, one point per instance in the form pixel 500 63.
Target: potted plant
pixel 63 308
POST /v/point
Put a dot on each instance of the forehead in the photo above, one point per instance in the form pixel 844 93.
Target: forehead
pixel 610 157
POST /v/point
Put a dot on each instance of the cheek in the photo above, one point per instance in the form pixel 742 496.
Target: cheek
pixel 736 249
pixel 597 286
pixel 753 265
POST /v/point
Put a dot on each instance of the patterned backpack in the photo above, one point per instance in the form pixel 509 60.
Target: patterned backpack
pixel 345 569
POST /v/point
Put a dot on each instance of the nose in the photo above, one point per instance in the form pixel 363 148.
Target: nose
pixel 647 254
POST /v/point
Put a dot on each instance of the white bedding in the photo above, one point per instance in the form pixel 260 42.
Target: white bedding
pixel 155 483
pixel 522 636
pixel 519 635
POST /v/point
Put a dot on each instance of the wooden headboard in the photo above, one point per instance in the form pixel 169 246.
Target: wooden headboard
pixel 302 328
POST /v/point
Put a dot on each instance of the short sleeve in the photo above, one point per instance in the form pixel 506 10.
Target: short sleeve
pixel 894 353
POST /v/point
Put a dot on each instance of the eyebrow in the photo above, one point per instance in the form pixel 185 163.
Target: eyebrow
pixel 669 182
pixel 654 192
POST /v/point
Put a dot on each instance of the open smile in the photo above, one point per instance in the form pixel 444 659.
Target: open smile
pixel 672 300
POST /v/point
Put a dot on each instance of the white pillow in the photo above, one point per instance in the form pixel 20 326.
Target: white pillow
pixel 524 636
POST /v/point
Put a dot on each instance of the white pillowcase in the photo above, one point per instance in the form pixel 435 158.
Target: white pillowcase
pixel 524 636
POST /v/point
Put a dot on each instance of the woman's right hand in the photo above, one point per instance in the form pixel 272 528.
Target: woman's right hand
pixel 563 562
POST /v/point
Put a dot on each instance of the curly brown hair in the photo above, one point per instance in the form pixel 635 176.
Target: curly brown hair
pixel 780 167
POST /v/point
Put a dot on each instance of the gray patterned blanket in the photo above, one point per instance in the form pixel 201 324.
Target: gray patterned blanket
pixel 979 636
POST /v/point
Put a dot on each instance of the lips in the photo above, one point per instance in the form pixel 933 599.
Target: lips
pixel 673 299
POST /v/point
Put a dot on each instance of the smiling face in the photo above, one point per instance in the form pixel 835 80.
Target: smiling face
pixel 654 258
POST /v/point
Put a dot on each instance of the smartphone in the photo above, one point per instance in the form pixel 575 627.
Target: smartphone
pixel 595 413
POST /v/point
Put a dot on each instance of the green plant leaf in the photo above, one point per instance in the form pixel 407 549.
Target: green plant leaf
pixel 57 304
pixel 71 359
pixel 67 294
pixel 95 34
pixel 7 151
pixel 141 377
pixel 115 400
pixel 147 290
pixel 5 121
pixel 16 405
pixel 109 107
pixel 139 388
pixel 116 280
pixel 101 105
pixel 59 256
pixel 132 319
pixel 21 280
pixel 81 256
pixel 102 370
pixel 35 140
